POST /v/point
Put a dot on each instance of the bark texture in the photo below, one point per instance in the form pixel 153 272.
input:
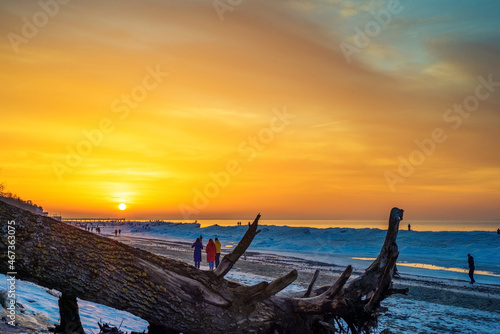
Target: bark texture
pixel 70 318
pixel 176 297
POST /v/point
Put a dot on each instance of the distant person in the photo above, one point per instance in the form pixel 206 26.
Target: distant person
pixel 218 246
pixel 198 246
pixel 471 268
pixel 116 232
pixel 210 249
pixel 409 227
pixel 119 232
pixel 498 231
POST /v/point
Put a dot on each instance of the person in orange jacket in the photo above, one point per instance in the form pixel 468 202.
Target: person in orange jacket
pixel 217 252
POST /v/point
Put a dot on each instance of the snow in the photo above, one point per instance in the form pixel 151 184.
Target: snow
pixel 252 279
pixel 37 301
pixel 405 316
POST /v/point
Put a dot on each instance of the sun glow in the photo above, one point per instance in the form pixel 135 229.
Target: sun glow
pixel 122 206
pixel 198 144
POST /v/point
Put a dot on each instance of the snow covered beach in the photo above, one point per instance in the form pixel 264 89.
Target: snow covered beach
pixel 440 299
pixel 437 254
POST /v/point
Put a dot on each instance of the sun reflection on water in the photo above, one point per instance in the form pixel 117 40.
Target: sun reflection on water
pixel 432 267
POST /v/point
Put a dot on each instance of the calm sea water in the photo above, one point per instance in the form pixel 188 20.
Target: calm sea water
pixel 416 225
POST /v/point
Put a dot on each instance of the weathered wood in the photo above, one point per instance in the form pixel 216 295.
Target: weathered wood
pixel 230 259
pixel 326 302
pixel 176 297
pixel 384 282
pixel 274 287
pixel 70 318
pixel 311 285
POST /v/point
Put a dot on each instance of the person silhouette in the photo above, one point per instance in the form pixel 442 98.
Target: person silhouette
pixel 471 268
pixel 198 246
pixel 211 250
pixel 218 247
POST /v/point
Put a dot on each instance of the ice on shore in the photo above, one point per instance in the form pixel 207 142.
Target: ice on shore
pixel 435 254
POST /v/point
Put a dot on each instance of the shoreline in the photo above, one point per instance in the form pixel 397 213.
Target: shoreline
pixel 344 259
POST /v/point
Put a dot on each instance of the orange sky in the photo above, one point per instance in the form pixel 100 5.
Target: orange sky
pixel 202 109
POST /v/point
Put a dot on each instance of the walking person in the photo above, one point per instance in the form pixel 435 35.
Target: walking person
pixel 217 252
pixel 210 249
pixel 471 268
pixel 198 246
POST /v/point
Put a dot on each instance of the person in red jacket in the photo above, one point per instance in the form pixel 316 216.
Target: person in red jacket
pixel 210 249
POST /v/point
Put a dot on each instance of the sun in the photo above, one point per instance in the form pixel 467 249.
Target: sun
pixel 122 206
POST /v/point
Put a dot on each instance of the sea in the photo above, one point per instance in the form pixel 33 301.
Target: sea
pixel 415 225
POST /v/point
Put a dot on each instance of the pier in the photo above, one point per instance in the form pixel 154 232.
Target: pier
pixel 92 220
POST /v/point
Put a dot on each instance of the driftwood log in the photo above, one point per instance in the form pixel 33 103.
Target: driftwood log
pixel 174 296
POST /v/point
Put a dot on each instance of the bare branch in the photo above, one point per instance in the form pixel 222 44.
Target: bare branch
pixel 311 285
pixel 230 259
pixel 389 247
pixel 264 290
pixel 337 286
pixel 279 284
pixel 318 304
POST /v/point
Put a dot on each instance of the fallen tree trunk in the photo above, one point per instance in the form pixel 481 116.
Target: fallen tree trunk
pixel 176 297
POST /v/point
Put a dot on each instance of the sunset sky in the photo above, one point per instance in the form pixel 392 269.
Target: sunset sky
pixel 321 109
